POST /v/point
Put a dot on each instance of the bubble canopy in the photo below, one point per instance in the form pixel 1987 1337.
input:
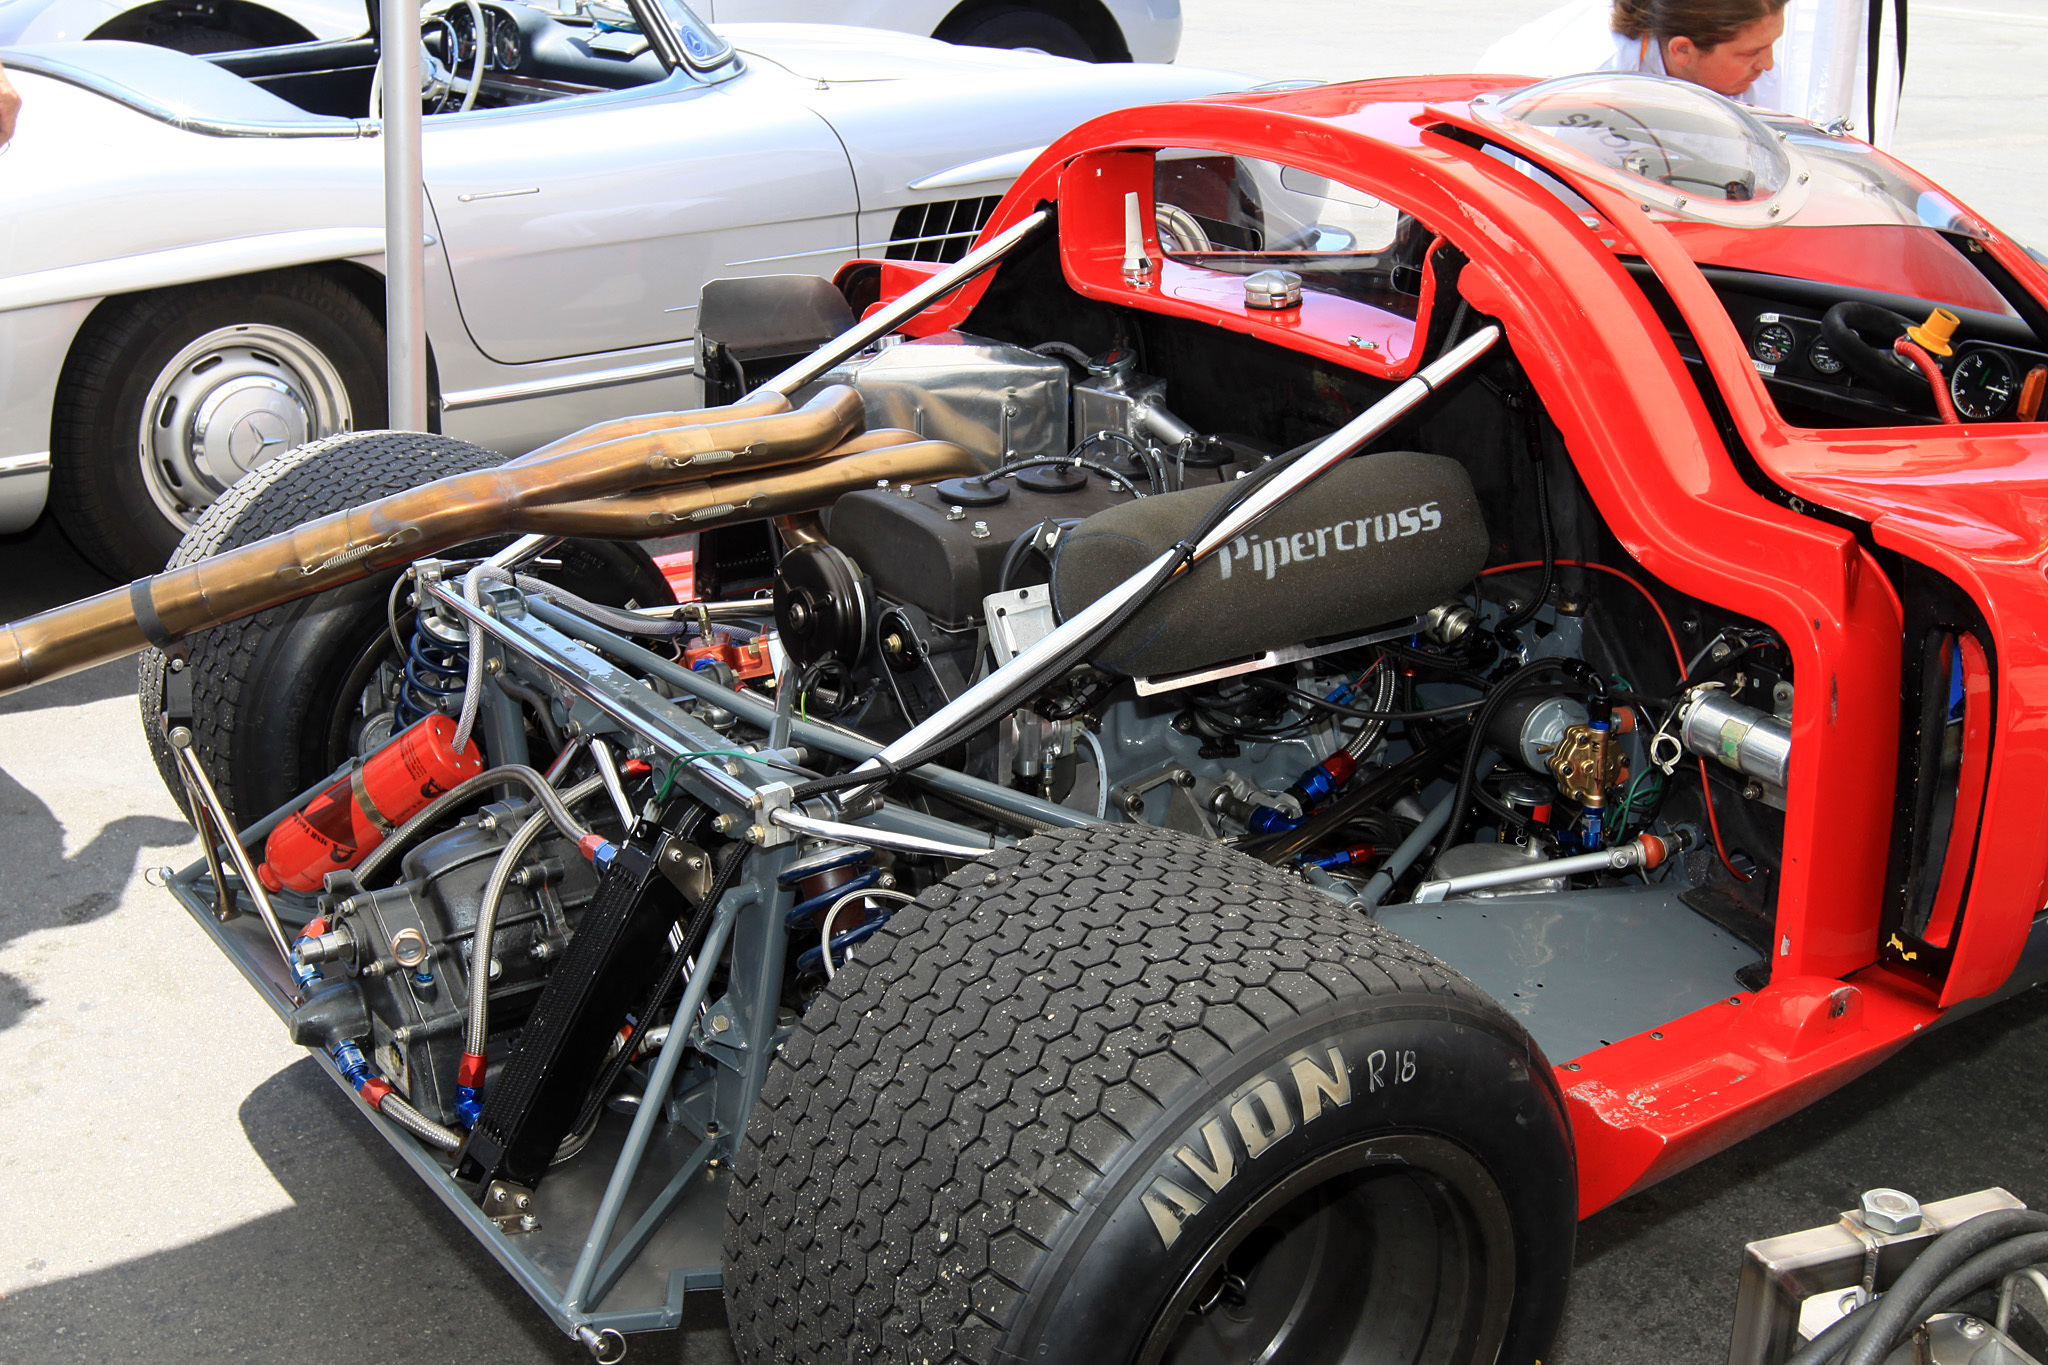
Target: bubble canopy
pixel 1685 152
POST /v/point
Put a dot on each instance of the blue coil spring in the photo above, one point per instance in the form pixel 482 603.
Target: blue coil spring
pixel 434 672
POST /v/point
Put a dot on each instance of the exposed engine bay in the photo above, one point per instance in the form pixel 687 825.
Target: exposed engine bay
pixel 1422 682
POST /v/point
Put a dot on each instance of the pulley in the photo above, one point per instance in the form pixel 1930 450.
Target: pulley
pixel 821 606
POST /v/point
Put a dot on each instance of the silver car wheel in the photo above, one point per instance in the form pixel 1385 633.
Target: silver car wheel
pixel 229 401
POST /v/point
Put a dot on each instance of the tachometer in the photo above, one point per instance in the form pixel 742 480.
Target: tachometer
pixel 504 42
pixel 1983 385
pixel 1773 343
pixel 458 21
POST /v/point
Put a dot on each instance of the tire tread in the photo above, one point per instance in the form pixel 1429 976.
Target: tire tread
pixel 945 1110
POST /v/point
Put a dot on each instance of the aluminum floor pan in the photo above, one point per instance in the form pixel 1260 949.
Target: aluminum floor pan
pixel 1581 969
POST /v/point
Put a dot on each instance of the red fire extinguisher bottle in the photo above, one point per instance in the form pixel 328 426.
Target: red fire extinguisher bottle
pixel 340 825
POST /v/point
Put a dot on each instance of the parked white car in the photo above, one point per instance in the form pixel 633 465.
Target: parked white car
pixel 191 278
pixel 1092 30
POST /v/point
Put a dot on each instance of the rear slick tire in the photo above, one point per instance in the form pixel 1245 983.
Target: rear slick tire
pixel 277 696
pixel 1118 1096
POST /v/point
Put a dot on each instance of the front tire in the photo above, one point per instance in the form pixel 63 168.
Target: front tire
pixel 168 397
pixel 1116 1095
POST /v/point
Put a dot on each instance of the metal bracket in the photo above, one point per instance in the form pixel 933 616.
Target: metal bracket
pixel 1129 797
pixel 1780 1274
pixel 767 800
pixel 510 1206
pixel 688 869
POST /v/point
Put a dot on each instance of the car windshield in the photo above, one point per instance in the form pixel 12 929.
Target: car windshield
pixel 1685 152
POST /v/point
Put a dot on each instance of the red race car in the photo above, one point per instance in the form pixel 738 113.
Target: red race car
pixel 1382 666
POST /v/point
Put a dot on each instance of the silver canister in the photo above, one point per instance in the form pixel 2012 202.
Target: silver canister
pixel 1740 737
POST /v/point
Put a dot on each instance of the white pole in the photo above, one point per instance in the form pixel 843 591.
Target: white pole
pixel 405 321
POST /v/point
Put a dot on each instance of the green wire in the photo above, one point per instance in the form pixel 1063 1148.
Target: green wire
pixel 669 781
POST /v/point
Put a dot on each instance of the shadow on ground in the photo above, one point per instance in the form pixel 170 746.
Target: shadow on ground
pixel 366 1267
pixel 44 889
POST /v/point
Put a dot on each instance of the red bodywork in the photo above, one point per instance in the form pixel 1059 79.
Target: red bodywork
pixel 1969 502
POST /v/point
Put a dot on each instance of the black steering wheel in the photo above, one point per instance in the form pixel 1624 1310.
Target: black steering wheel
pixel 1861 336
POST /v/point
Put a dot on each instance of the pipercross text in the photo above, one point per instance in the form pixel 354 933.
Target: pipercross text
pixel 1350 534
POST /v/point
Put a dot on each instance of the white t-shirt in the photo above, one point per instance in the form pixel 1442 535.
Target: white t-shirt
pixel 1820 72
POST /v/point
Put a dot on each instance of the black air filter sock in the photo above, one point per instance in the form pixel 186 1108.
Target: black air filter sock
pixel 1379 538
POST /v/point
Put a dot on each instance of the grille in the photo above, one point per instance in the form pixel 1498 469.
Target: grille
pixel 941 231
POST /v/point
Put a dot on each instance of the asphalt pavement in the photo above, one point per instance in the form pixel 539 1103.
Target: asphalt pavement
pixel 178 1183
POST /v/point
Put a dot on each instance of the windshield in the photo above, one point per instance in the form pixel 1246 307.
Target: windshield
pixel 1685 152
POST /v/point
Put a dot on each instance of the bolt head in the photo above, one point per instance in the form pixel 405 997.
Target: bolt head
pixel 724 823
pixel 956 513
pixel 720 1023
pixel 1890 1211
pixel 1971 1328
pixel 979 530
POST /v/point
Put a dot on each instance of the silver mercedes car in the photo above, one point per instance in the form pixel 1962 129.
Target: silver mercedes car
pixel 190 280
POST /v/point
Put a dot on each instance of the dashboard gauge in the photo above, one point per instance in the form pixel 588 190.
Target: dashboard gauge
pixel 458 23
pixel 1823 360
pixel 504 43
pixel 1983 385
pixel 1773 343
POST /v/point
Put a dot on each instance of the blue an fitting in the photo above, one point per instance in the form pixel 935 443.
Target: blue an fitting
pixel 1343 857
pixel 1270 820
pixel 468 1108
pixel 349 1058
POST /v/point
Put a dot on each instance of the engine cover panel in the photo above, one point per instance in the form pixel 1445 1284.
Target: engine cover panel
pixel 915 551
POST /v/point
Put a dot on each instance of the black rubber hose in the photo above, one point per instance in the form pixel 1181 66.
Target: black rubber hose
pixel 1468 777
pixel 611 618
pixel 1869 1332
pixel 542 713
pixel 1979 1271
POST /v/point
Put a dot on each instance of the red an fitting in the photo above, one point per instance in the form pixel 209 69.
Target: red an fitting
pixel 374 1090
pixel 470 1071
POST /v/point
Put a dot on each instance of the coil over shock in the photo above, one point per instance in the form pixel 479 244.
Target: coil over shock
pixel 847 885
pixel 436 667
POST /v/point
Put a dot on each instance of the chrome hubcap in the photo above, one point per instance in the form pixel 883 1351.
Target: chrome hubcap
pixel 234 399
